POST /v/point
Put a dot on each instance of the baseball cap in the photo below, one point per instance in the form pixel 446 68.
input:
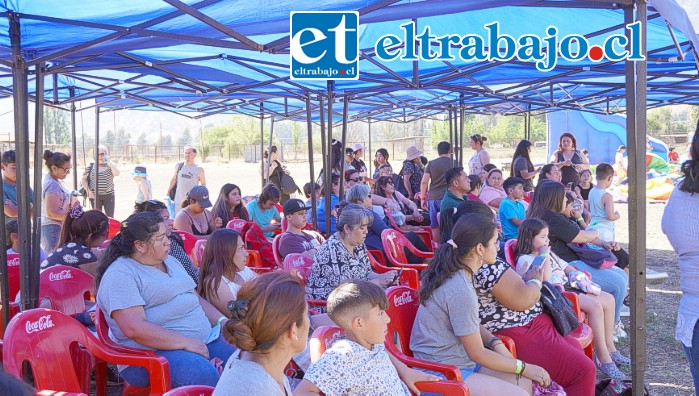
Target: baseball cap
pixel 294 205
pixel 201 195
pixel 357 147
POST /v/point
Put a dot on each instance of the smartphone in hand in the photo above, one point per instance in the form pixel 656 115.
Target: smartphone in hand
pixel 538 260
pixel 397 277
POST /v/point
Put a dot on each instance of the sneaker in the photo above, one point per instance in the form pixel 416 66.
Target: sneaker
pixel 619 331
pixel 618 358
pixel 625 311
pixel 609 369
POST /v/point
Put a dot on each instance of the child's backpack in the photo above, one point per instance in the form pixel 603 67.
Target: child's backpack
pixel 256 240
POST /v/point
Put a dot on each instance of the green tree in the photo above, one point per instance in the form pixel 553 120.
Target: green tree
pixel 296 133
pixel 167 140
pixel 142 139
pixel 185 138
pixel 56 126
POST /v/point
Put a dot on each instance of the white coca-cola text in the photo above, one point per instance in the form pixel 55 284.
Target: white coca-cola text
pixel 43 323
pixel 14 262
pixel 65 274
pixel 402 299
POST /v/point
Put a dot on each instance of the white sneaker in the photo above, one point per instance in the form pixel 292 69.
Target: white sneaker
pixel 619 331
pixel 625 311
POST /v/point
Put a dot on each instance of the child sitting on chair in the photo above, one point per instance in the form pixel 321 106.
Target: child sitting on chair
pixel 360 362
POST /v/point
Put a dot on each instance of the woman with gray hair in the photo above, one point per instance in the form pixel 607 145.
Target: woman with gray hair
pixel 344 256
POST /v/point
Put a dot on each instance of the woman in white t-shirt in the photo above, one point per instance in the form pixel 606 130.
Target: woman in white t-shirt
pixel 222 271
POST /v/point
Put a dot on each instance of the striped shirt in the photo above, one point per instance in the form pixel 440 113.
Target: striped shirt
pixel 106 179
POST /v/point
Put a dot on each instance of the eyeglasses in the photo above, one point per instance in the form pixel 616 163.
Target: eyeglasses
pixel 101 154
pixel 66 169
pixel 355 180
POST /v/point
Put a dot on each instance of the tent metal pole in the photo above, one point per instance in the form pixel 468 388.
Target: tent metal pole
pixel 262 144
pixel 74 143
pixel 309 127
pixel 451 128
pixel 636 80
pixel 96 167
pixel 462 113
pixel 269 152
pixel 21 112
pixel 370 151
pixel 328 175
pixel 35 246
pixel 4 281
pixel 345 109
pixel 327 155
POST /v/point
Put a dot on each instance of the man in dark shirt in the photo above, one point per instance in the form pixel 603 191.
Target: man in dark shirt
pixel 431 198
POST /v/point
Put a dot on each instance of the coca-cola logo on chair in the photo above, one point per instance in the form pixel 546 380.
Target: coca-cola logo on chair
pixel 402 299
pixel 43 323
pixel 13 262
pixel 59 276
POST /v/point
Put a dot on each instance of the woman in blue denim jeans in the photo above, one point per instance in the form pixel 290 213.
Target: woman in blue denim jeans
pixel 681 225
pixel 56 199
pixel 150 302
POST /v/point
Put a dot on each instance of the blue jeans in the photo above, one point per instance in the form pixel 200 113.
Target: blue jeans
pixel 465 373
pixel 433 206
pixel 612 280
pixel 186 368
pixel 50 235
pixel 693 357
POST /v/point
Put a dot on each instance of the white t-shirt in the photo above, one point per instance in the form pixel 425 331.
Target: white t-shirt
pixel 246 273
pixel 242 377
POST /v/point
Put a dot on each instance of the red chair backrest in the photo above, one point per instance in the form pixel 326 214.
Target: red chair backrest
pixel 44 339
pixel 67 288
pixel 237 225
pixel 275 251
pixel 298 264
pixel 403 303
pixel 280 209
pixel 199 251
pixel 191 390
pixel 189 241
pixel 393 243
pixel 510 252
pixel 114 227
pixel 14 310
pixel 13 274
pixel 323 338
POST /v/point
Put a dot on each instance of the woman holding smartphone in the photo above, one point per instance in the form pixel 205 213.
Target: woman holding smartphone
pixel 103 185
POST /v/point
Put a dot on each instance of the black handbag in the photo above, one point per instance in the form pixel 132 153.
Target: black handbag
pixel 559 308
pixel 171 193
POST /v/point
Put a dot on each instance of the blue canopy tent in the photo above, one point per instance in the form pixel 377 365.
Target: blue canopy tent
pixel 207 57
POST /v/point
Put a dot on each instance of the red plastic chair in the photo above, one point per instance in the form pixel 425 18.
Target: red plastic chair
pixel 103 335
pixel 425 233
pixel 44 339
pixel 275 250
pixel 299 266
pixel 13 274
pixel 393 244
pixel 199 251
pixel 191 390
pixel 325 336
pixel 67 288
pixel 403 303
pixel 409 277
pixel 114 227
pixel 14 310
pixel 237 225
pixel 583 333
pixel 189 242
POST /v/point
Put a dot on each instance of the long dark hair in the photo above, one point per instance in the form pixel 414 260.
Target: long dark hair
pixel 84 227
pixel 270 192
pixel 521 150
pixel 529 229
pixel 56 159
pixel 542 173
pixel 690 168
pixel 380 187
pixel 548 196
pixel 570 135
pixel 137 227
pixel 216 261
pixel 223 210
pixel 448 218
pixel 468 232
pixel 384 153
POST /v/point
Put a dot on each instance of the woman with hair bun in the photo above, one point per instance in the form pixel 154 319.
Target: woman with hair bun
pixel 480 158
pixel 150 303
pixel 269 324
pixel 83 232
pixel 56 199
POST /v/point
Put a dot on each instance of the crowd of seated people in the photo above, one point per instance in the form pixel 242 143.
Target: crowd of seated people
pixel 157 296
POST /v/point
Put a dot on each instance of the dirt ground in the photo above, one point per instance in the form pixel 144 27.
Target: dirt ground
pixel 667 371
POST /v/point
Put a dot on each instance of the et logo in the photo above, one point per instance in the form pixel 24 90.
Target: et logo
pixel 324 45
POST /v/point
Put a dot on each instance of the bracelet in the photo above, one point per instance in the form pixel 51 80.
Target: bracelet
pixel 538 282
pixel 494 341
pixel 221 319
pixel 519 368
pixel 579 219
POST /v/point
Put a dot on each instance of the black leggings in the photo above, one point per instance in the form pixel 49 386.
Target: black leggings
pixel 107 203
